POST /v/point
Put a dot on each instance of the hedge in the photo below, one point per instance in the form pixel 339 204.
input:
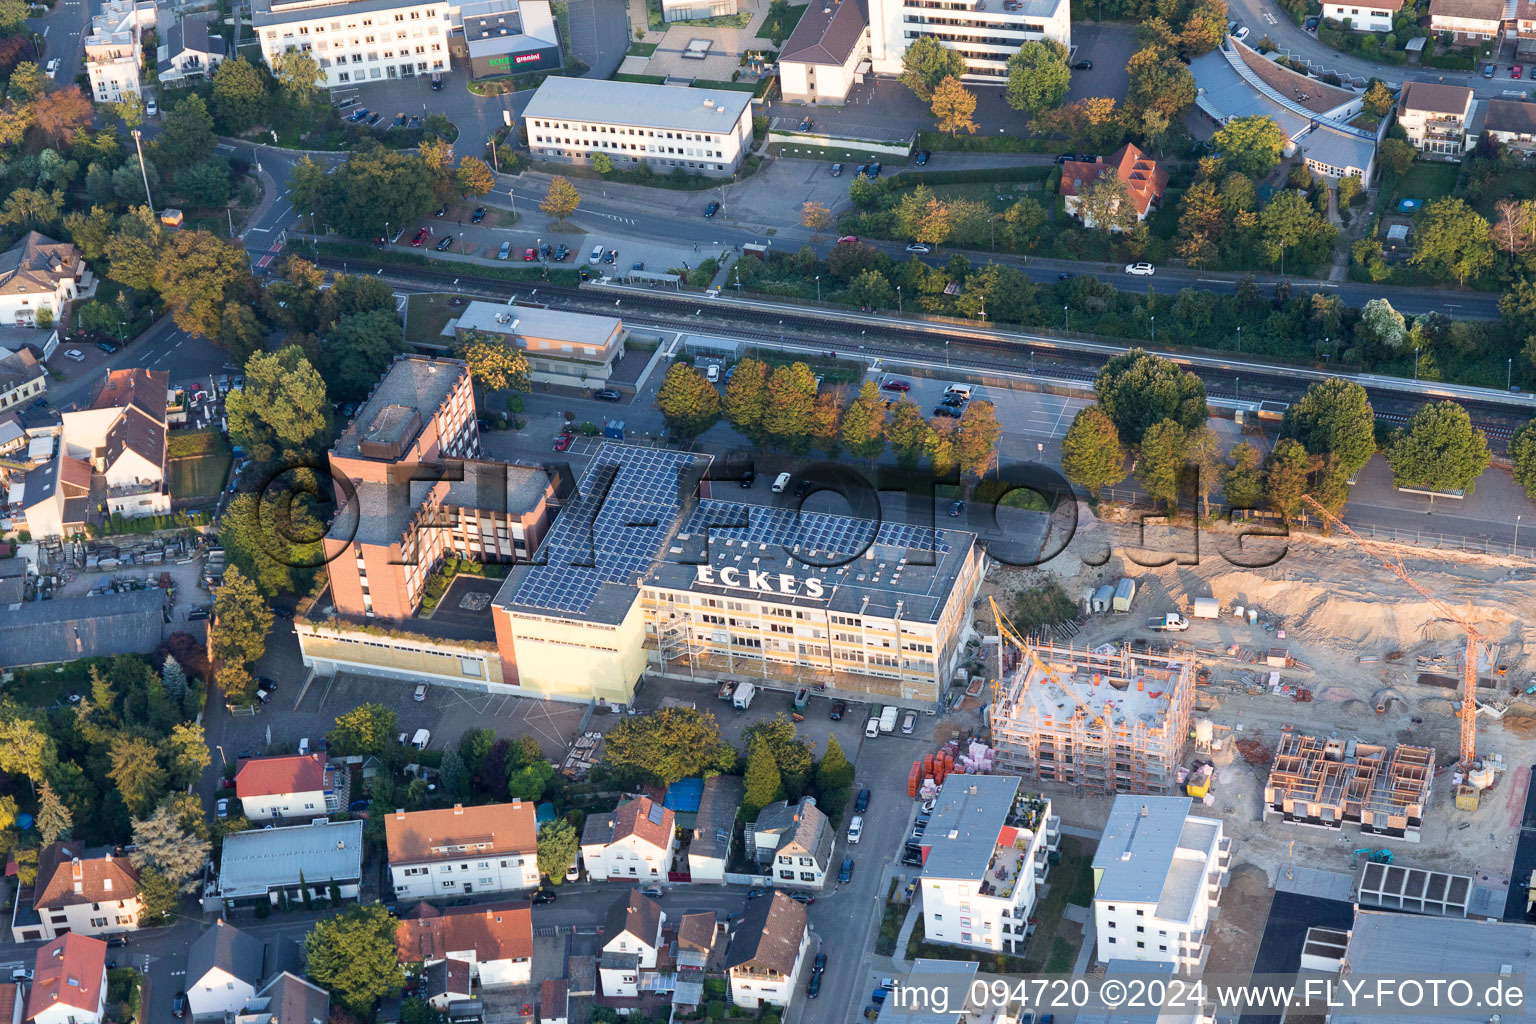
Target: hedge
pixel 1038 172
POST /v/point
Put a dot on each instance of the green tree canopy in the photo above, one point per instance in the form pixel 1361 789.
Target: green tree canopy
pixel 558 844
pixel 1334 417
pixel 792 753
pixel 239 96
pixel 762 781
pixel 928 62
pixel 166 846
pixel 689 403
pixel 377 187
pixel 1091 455
pixel 284 412
pixel 667 745
pixel 791 405
pixel 1522 457
pixel 353 955
pixel 1452 240
pixel 1438 449
pixel 1159 82
pixel 1251 145
pixel 1160 465
pixel 241 621
pixel 198 274
pixel 365 729
pixel 1287 474
pixel 1137 389
pixel 1038 77
pixel 358 351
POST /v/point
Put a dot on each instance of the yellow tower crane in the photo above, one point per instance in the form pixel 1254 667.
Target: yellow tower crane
pixel 1006 631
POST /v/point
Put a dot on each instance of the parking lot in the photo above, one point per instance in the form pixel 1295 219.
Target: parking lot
pixel 1109 47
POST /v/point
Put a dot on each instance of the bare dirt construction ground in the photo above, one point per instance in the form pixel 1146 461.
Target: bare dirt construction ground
pixel 1357 634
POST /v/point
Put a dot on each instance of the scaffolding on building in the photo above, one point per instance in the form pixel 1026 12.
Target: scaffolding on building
pixel 1108 719
pixel 1328 782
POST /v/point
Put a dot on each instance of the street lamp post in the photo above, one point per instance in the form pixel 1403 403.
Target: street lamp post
pixel 1154 329
pixel 142 169
pixel 1415 362
pixel 818 287
pixel 1239 337
pixel 898 298
pixel 1236 385
pixel 1509 374
pixel 1066 318
pixel 1517 534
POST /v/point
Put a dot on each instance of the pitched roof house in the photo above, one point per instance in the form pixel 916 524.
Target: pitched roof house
pixel 714 827
pixel 1467 20
pixel 69 982
pixel 39 273
pixel 189 51
pixel 1144 179
pixel 76 889
pixel 287 999
pixel 224 968
pixel 635 841
pixel 459 850
pixel 632 944
pixel 298 786
pixel 493 940
pixel 766 951
pixel 796 841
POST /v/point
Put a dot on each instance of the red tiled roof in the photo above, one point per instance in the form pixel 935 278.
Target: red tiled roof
pixel 1144 179
pixel 495 931
pixel 9 993
pixel 275 776
pixel 646 819
pixel 102 878
pixel 488 829
pixel 69 971
pixel 143 389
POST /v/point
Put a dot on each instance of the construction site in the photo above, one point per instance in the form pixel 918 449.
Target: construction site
pixel 1333 782
pixel 1108 720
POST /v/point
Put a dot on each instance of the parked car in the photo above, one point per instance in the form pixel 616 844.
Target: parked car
pixel 178 1001
pixel 753 894
pixel 596 256
pixel 813 986
pixel 399 121
pixel 505 251
pixel 151 108
pixel 607 395
pixel 837 170
pixel 861 803
pixel 75 355
pixel 561 252
pixel 478 215
pixel 563 442
pixel 845 872
pixel 713 373
pixel 545 250
pixel 544 895
pixel 862 168
pixel 108 346
pixel 1516 71
pixel 445 243
pixel 1311 23
pixel 53 67
pixel 909 720
pixel 637 265
pixel 1241 34
pixel 1487 70
pixel 611 256
pixel 374 119
pixel 919 249
pixel 421 236
pixel 441 211
pixel 807 124
pixel 820 963
pixel 955 508
pixel 839 708
pixel 803 898
pixel 437 83
pixel 1140 269
pixel 530 255
pixel 748 478
pixel 652 891
pixel 946 410
pixel 896 385
pixel 712 209
pixel 856 828
pixel 923 156
pixel 420 693
pixel 221 809
pixel 874 170
pixel 1083 65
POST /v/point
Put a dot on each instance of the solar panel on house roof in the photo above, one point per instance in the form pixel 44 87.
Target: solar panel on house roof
pixel 657 814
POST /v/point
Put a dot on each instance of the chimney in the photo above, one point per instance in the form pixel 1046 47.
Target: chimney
pixel 458 810
pixel 399 813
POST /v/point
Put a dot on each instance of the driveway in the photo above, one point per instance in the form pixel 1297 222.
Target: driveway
pixel 1109 46
pixel 599 35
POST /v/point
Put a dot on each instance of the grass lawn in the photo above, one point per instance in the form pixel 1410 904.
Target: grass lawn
pixel 426 315
pixel 1071 881
pixel 1425 181
pixel 780 22
pixel 1517 181
pixel 201 476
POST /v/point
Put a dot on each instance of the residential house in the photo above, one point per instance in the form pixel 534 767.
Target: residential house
pixel 122 434
pixel 462 850
pixel 986 853
pixel 445 983
pixel 1512 122
pixel 287 999
pixel 714 828
pixel 292 863
pixel 52 500
pixel 634 842
pixel 554 1001
pixel 69 982
pixel 1435 115
pixel 570 349
pixel 1144 180
pixel 190 51
pixel 13 1003
pixel 1468 21
pixel 795 842
pixel 13 436
pixel 1362 15
pixel 299 786
pixel 701 937
pixel 1159 871
pixel 80 891
pixel 1525 29
pixel 631 943
pixel 22 379
pixel 767 951
pixel 224 969
pixel 491 942
pixel 38 273
pixel 821 59
pixel 112 48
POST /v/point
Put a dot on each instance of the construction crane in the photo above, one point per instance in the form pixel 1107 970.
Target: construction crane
pixel 1006 631
pixel 1468 712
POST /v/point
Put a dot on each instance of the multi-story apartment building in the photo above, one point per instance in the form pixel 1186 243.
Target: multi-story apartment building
pixel 301 786
pixel 569 349
pixel 357 41
pixel 84 892
pixel 665 127
pixel 462 850
pixel 986 852
pixel 1468 21
pixel 985 32
pixel 1435 116
pixel 1158 875
pixel 766 953
pixel 112 48
pixel 1363 15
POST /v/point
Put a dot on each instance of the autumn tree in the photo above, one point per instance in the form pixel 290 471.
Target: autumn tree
pixel 815 216
pixel 689 403
pixel 907 433
pixel 1159 82
pixel 473 177
pixel 198 274
pixel 1091 454
pixel 954 106
pixel 561 200
pixel 827 421
pixel 791 402
pixel 1378 99
pixel 54 820
pixel 494 364
pixel 241 621
pixel 62 114
pixel 299 74
pixel 864 423
pixel 1251 145
pixel 746 396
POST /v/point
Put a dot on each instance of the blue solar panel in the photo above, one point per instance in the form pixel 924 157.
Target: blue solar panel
pixel 832 537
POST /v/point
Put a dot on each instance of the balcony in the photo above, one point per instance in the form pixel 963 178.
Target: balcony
pixel 1224 853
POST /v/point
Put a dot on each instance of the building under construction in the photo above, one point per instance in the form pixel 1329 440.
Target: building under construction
pixel 1328 782
pixel 1110 722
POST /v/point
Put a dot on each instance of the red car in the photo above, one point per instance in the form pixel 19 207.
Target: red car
pixel 421 236
pixel 529 255
pixel 1516 71
pixel 896 385
pixel 563 442
pixel 848 239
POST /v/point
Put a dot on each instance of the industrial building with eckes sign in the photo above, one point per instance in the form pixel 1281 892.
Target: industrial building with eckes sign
pixel 643 571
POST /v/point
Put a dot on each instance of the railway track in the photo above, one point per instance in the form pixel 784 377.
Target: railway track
pixel 1498 414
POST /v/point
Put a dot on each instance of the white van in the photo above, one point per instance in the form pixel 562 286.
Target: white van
pixel 963 390
pixel 781 482
pixel 597 255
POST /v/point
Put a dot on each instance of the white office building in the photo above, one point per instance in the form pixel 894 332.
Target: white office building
pixel 987 851
pixel 357 41
pixel 985 32
pixel 703 131
pixel 1158 875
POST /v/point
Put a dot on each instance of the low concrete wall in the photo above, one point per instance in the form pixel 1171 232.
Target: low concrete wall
pixel 886 147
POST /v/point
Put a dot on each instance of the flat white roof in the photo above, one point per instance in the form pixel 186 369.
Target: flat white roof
pixel 551 324
pixel 259 860
pixel 675 107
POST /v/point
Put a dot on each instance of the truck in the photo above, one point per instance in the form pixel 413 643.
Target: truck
pixel 1170 622
pixel 741 699
pixel 888 719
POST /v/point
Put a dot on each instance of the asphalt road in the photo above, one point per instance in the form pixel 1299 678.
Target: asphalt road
pixel 62 30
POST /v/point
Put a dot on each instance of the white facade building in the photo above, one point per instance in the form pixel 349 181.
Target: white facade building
pixel 633 843
pixel 79 891
pixel 224 969
pixel 1435 116
pixel 69 983
pixel 795 843
pixel 631 944
pixel 766 955
pixel 112 48
pixel 299 786
pixel 1362 17
pixel 458 850
pixel 1158 875
pixel 490 943
pixel 666 127
pixel 987 852
pixel 985 32
pixel 357 41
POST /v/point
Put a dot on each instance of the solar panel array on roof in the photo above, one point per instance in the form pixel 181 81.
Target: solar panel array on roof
pixel 611 532
pixel 657 814
pixel 833 537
